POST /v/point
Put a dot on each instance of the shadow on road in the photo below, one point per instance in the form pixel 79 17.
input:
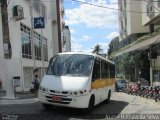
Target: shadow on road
pixel 35 111
pixel 101 111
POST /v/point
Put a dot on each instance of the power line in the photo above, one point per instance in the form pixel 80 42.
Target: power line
pixel 111 8
pixel 77 1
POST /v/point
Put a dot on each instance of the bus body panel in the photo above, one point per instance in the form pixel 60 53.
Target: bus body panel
pixel 76 91
pixel 101 87
pixel 57 85
pixel 64 83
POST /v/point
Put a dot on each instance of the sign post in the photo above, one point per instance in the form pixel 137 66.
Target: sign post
pixel 39 23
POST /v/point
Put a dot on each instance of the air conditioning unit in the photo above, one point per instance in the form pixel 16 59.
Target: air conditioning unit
pixel 18 12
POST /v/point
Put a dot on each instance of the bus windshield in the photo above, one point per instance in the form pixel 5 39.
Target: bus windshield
pixel 70 65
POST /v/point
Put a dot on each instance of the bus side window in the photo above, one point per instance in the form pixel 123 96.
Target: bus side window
pixel 96 70
pixel 104 69
pixel 112 71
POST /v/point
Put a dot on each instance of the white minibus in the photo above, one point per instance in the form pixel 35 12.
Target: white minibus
pixel 77 80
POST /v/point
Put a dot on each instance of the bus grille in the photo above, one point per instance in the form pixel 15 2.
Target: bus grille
pixel 59 92
pixel 64 100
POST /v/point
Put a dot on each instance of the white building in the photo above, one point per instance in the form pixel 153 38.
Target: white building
pixel 141 17
pixel 66 44
pixel 130 18
pixel 57 15
pixel 60 33
pixel 152 19
pixel 23 49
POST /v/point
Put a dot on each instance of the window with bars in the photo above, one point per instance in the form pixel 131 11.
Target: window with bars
pixel 45 49
pixel 26 41
pixel 37 46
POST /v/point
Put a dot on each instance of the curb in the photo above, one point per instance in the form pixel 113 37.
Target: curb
pixel 18 101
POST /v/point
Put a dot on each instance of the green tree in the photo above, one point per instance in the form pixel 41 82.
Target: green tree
pixel 97 49
pixel 126 66
pixel 113 45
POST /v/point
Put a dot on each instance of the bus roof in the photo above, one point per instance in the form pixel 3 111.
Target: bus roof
pixel 92 54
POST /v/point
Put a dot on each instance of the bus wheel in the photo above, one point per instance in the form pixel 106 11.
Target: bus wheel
pixel 109 96
pixel 91 103
pixel 47 106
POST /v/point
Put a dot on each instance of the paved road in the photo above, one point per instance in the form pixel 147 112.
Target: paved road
pixel 121 103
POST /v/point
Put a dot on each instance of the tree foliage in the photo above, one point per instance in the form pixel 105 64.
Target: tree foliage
pixel 114 45
pixel 97 49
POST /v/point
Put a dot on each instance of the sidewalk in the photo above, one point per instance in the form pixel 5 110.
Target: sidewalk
pixel 21 98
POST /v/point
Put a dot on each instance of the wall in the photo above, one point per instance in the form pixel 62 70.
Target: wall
pixel 135 18
pixel 67 37
pixel 145 18
pixel 14 66
pixel 2 77
pixel 54 28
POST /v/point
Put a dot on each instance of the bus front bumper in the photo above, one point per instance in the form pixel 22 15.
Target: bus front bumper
pixel 64 100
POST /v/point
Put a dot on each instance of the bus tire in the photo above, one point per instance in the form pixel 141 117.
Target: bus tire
pixel 109 96
pixel 91 103
pixel 47 106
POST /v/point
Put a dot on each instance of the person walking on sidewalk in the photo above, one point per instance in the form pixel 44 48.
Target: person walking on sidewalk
pixel 36 85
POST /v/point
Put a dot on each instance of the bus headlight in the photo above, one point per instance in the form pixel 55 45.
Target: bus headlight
pixel 43 89
pixel 75 93
pixel 81 92
pixel 78 93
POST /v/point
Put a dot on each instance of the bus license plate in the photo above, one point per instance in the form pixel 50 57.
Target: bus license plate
pixel 56 98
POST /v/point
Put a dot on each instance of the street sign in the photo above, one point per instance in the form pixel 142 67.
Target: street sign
pixel 39 23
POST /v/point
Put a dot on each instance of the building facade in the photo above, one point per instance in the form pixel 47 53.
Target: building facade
pixel 139 33
pixel 25 50
pixel 66 44
pixel 130 18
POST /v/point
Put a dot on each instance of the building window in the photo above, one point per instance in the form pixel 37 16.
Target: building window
pixel 26 41
pixel 43 11
pixel 150 8
pixel 156 75
pixel 29 1
pixel 45 49
pixel 158 3
pixel 158 49
pixel 36 5
pixel 39 7
pixel 37 46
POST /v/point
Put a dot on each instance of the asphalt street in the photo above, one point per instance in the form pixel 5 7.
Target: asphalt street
pixel 120 103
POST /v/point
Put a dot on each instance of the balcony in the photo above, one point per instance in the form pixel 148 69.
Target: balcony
pixel 155 21
pixel 153 13
pixel 139 43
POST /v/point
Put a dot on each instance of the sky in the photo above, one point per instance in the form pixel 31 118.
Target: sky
pixel 91 25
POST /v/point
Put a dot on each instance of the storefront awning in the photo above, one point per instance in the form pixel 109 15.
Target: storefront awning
pixel 139 45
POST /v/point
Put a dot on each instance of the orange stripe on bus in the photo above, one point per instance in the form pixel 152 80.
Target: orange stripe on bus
pixel 100 83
